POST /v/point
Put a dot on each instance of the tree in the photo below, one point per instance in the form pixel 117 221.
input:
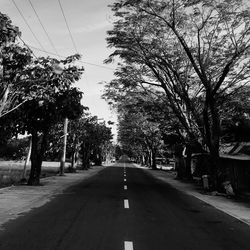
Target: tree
pixel 94 136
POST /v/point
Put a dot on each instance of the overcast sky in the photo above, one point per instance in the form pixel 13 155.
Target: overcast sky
pixel 88 21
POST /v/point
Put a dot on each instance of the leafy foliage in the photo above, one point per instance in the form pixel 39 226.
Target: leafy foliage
pixel 93 139
pixel 47 96
pixel 236 119
pixel 13 60
pixel 197 52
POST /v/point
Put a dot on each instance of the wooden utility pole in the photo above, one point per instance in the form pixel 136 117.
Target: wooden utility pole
pixel 63 158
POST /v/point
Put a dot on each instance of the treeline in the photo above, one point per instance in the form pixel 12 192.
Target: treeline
pixel 36 95
pixel 182 78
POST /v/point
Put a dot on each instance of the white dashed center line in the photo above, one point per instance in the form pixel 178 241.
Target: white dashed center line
pixel 126 204
pixel 128 245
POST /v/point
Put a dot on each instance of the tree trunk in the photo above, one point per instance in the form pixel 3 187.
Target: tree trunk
pixel 3 101
pixel 153 154
pixel 149 158
pixel 142 160
pixel 34 179
pixel 98 156
pixel 85 150
pixel 212 128
pixel 37 153
pixel 187 159
pixel 73 159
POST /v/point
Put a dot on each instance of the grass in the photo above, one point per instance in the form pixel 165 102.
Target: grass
pixel 11 171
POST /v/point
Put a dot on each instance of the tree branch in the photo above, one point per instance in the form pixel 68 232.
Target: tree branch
pixel 13 109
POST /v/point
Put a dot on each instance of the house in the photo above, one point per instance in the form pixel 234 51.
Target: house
pixel 234 166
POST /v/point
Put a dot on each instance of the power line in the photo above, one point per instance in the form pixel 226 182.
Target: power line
pixel 49 53
pixel 70 33
pixel 52 44
pixel 27 46
pixel 25 20
pixel 42 48
pixel 84 62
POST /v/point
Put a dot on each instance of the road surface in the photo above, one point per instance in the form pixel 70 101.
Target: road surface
pixel 123 207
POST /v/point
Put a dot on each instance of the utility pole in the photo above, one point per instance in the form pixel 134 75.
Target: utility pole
pixel 63 158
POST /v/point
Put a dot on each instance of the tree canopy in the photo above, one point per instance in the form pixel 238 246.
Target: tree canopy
pixel 196 52
pixel 13 60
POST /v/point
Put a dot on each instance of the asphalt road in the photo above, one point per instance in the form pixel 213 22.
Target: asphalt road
pixel 125 208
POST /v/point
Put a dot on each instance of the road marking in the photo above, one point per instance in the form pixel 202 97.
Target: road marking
pixel 128 245
pixel 125 187
pixel 125 179
pixel 126 204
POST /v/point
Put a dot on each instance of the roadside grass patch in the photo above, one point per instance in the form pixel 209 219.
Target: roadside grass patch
pixel 11 171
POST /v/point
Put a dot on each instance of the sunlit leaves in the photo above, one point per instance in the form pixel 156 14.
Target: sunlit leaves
pixel 13 60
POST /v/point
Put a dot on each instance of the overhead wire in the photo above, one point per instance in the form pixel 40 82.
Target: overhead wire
pixel 26 22
pixel 84 62
pixel 52 44
pixel 42 48
pixel 70 33
pixel 28 46
pixel 49 39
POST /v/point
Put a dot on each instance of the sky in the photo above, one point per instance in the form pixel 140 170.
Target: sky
pixel 88 22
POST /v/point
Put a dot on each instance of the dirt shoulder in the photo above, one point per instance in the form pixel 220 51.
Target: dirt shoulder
pixel 239 209
pixel 16 200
